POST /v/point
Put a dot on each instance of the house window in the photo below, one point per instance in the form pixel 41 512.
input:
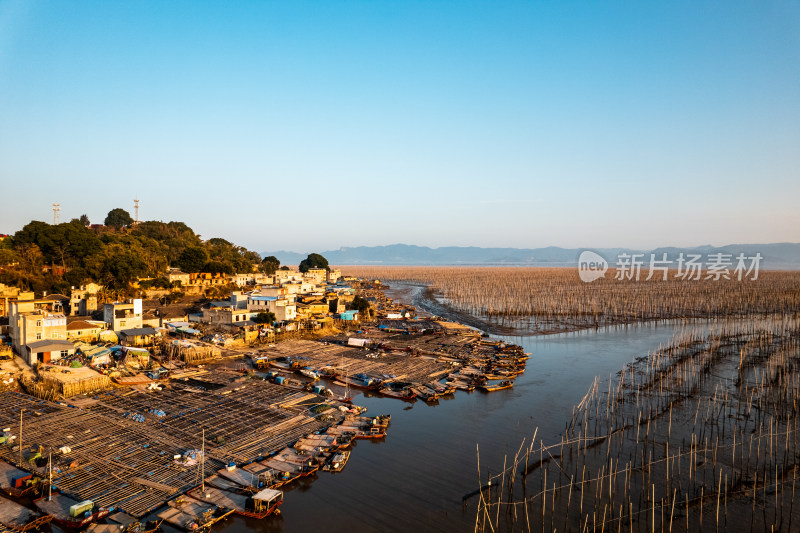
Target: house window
pixel 38 336
pixel 122 324
pixel 54 335
pixel 64 353
pixel 38 323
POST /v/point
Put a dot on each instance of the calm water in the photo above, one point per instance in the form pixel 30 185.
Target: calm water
pixel 415 479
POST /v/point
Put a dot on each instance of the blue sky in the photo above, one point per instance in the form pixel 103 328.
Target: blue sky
pixel 314 125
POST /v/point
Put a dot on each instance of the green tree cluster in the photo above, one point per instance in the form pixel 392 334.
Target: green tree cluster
pixel 313 261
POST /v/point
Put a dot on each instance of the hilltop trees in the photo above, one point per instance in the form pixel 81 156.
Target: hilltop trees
pixel 118 218
pixel 53 257
pixel 192 259
pixel 313 261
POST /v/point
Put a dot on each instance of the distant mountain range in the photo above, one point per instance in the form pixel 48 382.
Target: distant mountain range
pixel 781 256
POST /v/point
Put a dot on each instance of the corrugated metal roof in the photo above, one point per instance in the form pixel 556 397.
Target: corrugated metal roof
pixel 50 345
pixel 136 332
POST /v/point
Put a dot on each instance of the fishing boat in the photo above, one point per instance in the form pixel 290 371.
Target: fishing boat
pixel 462 384
pixel 359 381
pixel 17 483
pixel 20 518
pixel 404 393
pixel 309 373
pixel 507 384
pixel 130 524
pixel 284 363
pixel 441 389
pixel 361 428
pixel 336 462
pixel 426 393
pixel 192 515
pixel 259 505
pixel 70 513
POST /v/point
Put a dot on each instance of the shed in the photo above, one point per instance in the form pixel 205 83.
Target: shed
pixel 50 350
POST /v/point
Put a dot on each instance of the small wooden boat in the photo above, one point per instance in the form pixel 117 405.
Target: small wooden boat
pixel 69 513
pixel 17 483
pixel 259 505
pixel 498 386
pixel 20 518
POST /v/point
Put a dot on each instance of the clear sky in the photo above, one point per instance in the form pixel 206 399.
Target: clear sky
pixel 308 126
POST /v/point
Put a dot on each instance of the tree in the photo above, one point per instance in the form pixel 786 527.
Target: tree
pixel 218 267
pixel 313 261
pixel 264 317
pixel 269 265
pixel 118 218
pixel 360 304
pixel 192 259
pixel 84 219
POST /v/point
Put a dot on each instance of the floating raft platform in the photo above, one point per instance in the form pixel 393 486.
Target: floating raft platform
pixel 59 507
pixel 19 518
pixel 15 482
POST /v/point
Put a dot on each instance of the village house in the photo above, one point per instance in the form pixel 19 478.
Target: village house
pixel 11 294
pixel 317 276
pixel 137 336
pixel 218 316
pixel 121 316
pixel 38 330
pixel 285 276
pixel 333 276
pixel 83 300
pixel 85 330
pixel 254 278
pixel 174 275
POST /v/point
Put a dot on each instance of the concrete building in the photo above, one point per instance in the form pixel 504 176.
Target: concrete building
pixel 30 321
pixel 176 275
pixel 333 276
pixel 317 276
pixel 121 316
pixel 218 316
pixel 85 330
pixel 11 294
pixel 83 300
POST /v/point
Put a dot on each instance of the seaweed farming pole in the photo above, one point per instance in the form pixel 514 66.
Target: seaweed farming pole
pixel 50 472
pixel 20 436
pixel 203 464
